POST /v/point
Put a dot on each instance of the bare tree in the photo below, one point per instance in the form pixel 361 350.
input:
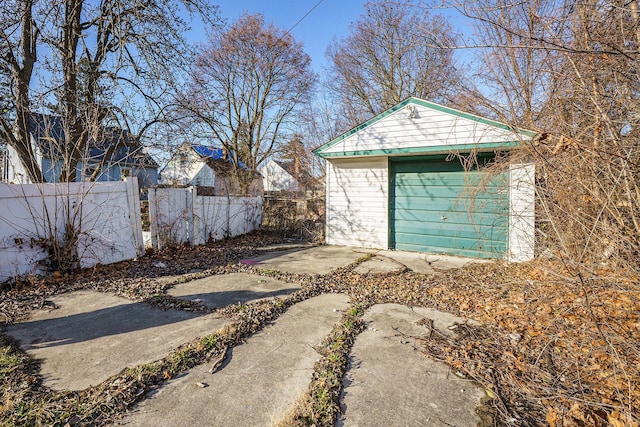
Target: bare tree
pixel 100 63
pixel 249 84
pixel 570 71
pixel 394 51
pixel 18 54
pixel 514 56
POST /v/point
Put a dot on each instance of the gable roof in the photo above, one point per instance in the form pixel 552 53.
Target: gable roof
pixel 302 176
pixel 425 128
pixel 219 160
pixel 48 134
pixel 128 149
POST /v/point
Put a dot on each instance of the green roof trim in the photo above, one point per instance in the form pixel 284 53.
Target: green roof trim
pixel 421 102
pixel 424 150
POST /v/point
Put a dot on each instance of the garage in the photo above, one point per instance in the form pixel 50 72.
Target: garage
pixel 417 178
pixel 436 207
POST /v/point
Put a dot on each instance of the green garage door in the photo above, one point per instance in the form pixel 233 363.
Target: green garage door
pixel 436 207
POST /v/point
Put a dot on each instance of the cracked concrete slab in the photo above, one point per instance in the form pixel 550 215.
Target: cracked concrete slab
pixel 324 259
pixel 379 264
pixel 92 336
pixel 391 382
pixel 260 381
pixel 388 261
pixel 428 263
pixel 222 290
pixel 318 260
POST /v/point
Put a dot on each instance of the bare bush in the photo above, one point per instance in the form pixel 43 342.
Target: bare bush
pixel 294 216
pixel 569 71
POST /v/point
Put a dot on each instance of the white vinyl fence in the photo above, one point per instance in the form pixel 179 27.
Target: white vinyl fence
pixel 106 216
pixel 180 215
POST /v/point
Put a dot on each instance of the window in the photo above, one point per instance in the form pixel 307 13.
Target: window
pixel 182 160
pixel 88 172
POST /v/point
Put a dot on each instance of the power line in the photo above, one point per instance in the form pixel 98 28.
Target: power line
pixel 304 16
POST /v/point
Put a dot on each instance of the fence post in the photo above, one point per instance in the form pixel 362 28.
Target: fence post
pixel 135 216
pixel 196 231
pixel 153 218
pixel 188 215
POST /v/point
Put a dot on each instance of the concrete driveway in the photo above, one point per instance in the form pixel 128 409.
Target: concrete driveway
pixel 325 259
pixel 91 336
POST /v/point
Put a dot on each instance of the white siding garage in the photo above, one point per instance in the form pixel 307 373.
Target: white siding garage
pixel 397 182
pixel 357 202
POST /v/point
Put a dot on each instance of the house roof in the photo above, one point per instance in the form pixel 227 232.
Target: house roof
pixel 209 152
pixel 48 133
pixel 213 154
pixel 416 133
pixel 302 176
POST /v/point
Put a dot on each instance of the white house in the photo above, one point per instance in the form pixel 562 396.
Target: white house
pixel 399 181
pixel 205 166
pixel 279 175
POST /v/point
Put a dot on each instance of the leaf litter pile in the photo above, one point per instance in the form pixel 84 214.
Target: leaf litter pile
pixel 551 349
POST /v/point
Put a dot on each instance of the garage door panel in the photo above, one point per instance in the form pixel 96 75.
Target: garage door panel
pixel 450 229
pixel 450 179
pixel 436 207
pixel 461 190
pixel 439 244
pixel 444 205
pixel 430 220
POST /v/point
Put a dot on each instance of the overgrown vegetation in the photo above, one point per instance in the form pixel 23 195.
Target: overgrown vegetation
pixel 539 352
pixel 575 82
pixel 294 216
pixel 321 405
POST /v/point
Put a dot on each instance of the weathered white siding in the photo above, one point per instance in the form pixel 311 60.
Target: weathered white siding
pixel 187 168
pixel 275 178
pixel 521 212
pixel 204 175
pixel 428 128
pixel 357 202
pixel 16 172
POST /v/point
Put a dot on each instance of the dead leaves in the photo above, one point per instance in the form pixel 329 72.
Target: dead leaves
pixel 546 338
pixel 552 417
pixel 618 420
pixel 549 352
pixel 539 342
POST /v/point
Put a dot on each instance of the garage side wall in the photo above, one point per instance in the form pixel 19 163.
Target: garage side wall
pixel 521 212
pixel 357 200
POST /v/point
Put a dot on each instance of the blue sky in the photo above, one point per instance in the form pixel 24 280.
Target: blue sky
pixel 331 18
pixel 324 21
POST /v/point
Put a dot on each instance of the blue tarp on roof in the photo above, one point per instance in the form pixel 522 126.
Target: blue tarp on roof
pixel 207 152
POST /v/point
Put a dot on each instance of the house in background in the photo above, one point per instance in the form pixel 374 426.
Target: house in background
pixel 403 180
pixel 205 166
pixel 114 155
pixel 287 176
